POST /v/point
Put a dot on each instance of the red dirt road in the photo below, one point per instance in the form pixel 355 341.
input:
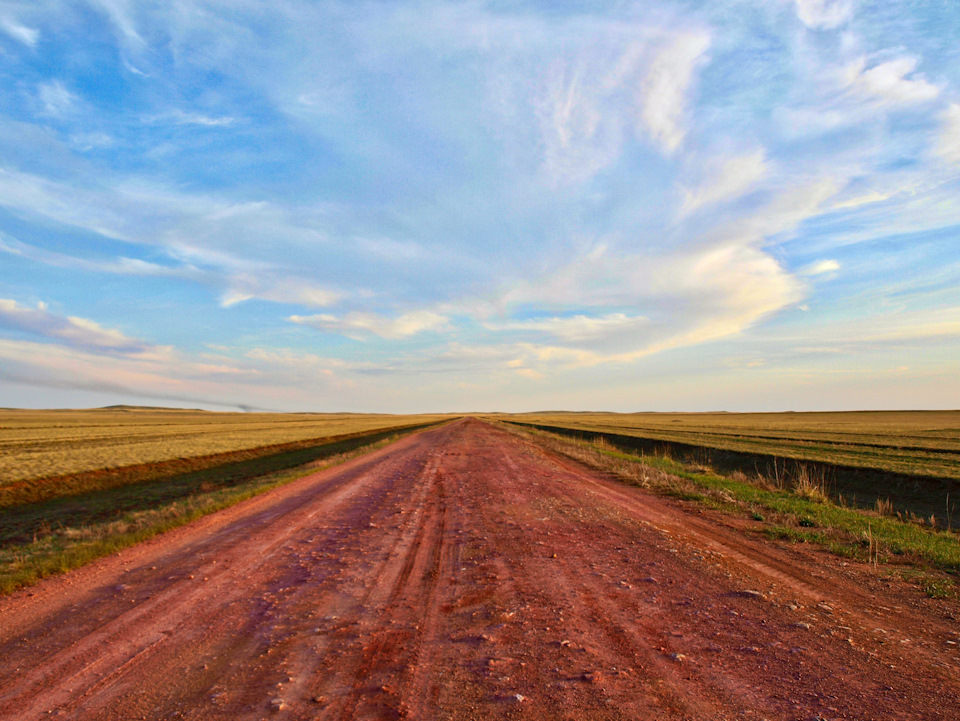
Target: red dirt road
pixel 464 573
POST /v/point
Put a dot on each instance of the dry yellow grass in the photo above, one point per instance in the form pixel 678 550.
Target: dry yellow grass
pixel 912 442
pixel 48 443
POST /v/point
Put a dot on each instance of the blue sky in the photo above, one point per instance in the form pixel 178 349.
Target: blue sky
pixel 419 206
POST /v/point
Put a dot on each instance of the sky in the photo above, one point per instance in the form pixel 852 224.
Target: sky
pixel 474 206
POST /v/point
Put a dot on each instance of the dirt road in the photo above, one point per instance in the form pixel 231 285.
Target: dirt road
pixel 464 573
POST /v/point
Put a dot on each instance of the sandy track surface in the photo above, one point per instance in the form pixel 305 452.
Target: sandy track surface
pixel 464 573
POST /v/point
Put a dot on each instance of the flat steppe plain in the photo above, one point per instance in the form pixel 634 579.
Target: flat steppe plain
pixel 925 443
pixel 38 444
pixel 463 572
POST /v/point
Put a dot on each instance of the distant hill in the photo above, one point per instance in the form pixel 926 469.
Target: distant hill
pixel 122 407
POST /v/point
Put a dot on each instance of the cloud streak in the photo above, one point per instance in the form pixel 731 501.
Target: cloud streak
pixel 74 331
pixel 666 85
pixel 360 326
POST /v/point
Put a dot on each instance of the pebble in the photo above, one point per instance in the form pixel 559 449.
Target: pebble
pixel 520 698
pixel 750 594
pixel 678 657
pixel 277 704
pixel 801 624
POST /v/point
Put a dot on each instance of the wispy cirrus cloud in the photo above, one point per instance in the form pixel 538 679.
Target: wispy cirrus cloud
pixel 820 267
pixel 19 32
pixel 726 179
pixel 56 100
pixel 824 14
pixel 666 85
pixel 947 145
pixel 358 325
pixel 183 117
pixel 577 329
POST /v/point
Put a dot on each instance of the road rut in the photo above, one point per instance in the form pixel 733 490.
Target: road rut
pixel 465 573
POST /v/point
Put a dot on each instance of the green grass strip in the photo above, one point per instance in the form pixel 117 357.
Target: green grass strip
pixel 846 531
pixel 65 549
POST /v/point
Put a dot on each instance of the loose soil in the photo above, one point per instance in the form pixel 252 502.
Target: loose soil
pixel 465 573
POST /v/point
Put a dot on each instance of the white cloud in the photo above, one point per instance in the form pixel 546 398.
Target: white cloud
pixel 729 179
pixel 578 329
pixel 887 83
pixel 76 332
pixel 693 294
pixel 277 288
pixel 666 84
pixel 631 83
pixel 55 99
pixel 85 142
pixel 820 267
pixel 148 216
pixel 947 146
pixel 168 377
pixel 119 12
pixel 858 201
pixel 581 133
pixel 359 325
pixel 690 297
pixel 824 14
pixel 118 266
pixel 242 281
pixel 182 117
pixel 20 33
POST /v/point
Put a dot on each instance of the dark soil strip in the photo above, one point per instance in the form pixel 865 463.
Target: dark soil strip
pixel 26 522
pixel 44 489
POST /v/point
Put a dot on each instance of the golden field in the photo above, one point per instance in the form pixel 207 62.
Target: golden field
pixel 50 443
pixel 913 442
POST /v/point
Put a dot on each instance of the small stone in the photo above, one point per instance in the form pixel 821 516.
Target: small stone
pixel 277 705
pixel 520 698
pixel 825 608
pixel 750 594
pixel 801 624
pixel 678 657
